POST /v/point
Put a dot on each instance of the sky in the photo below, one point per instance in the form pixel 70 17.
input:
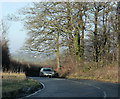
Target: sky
pixel 16 33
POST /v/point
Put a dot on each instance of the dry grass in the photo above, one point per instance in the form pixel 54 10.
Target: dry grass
pixel 13 76
pixel 10 81
pixel 96 72
pixel 103 70
pixel 15 81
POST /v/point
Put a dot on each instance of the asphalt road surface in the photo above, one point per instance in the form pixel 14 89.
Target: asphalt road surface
pixel 56 87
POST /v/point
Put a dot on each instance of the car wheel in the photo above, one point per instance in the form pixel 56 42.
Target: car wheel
pixel 41 74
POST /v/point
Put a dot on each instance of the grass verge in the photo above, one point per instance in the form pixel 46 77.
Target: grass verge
pixel 108 73
pixel 16 85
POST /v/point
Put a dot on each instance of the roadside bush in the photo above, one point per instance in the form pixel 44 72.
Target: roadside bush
pixel 32 71
pixel 29 69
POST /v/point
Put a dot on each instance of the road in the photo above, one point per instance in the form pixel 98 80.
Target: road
pixel 56 87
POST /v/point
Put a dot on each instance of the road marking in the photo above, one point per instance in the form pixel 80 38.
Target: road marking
pixel 104 93
pixel 36 91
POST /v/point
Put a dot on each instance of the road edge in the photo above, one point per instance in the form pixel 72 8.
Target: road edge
pixel 36 91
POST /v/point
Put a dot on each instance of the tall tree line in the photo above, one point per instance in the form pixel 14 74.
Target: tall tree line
pixel 87 30
pixel 5 55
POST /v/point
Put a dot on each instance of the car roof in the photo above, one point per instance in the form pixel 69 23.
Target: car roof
pixel 46 68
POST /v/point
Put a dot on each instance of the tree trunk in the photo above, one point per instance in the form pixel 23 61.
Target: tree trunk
pixel 82 29
pixel 104 29
pixel 76 44
pixel 96 38
pixel 82 43
pixel 71 48
pixel 57 53
pixel 119 32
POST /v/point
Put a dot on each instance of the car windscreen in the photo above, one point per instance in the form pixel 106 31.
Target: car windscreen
pixel 47 70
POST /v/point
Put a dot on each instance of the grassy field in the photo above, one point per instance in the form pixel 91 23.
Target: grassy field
pixel 17 85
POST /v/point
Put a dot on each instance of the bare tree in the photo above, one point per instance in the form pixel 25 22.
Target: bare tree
pixel 119 32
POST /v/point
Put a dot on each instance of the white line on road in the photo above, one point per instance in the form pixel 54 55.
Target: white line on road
pixel 37 91
pixel 104 93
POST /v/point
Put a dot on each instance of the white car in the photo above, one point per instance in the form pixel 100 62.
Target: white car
pixel 46 72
